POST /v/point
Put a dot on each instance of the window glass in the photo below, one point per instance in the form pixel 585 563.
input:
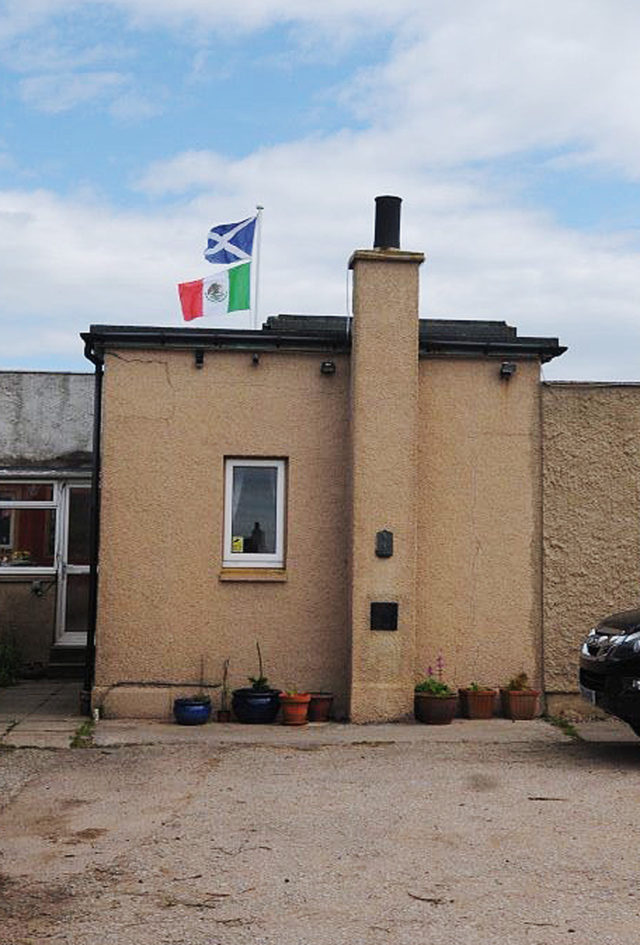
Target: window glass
pixel 254 514
pixel 79 521
pixel 26 492
pixel 30 537
pixel 6 528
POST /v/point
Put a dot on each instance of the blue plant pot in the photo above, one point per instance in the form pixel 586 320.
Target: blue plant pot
pixel 256 708
pixel 191 711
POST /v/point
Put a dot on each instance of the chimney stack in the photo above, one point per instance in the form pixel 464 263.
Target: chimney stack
pixel 387 230
pixel 384 472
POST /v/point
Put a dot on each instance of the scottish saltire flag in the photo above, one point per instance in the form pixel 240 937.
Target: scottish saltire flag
pixel 230 242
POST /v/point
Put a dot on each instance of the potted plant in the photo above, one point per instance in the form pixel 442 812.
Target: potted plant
pixel 320 706
pixel 434 702
pixel 519 700
pixel 295 706
pixel 257 704
pixel 194 710
pixel 477 702
pixel 224 712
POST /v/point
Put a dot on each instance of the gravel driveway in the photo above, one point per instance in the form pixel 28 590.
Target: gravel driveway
pixel 373 840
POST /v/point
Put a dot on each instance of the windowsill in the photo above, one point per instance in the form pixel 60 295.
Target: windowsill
pixel 13 572
pixel 278 575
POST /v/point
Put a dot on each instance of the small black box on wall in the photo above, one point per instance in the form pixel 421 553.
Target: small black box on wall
pixel 384 615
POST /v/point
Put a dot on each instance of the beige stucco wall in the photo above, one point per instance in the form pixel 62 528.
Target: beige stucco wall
pixel 591 517
pixel 167 428
pixel 479 531
pixel 476 552
pixel 384 407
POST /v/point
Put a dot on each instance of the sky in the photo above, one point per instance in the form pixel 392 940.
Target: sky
pixel 510 129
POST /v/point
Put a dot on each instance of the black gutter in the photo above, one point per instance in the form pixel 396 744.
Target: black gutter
pixel 336 339
pixel 222 339
pixel 97 358
pixel 543 348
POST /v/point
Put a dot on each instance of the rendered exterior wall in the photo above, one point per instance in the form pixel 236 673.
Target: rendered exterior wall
pixel 591 520
pixel 45 418
pixel 479 528
pixel 167 428
pixel 384 418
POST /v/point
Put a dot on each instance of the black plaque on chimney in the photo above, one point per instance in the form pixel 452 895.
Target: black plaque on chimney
pixel 384 615
pixel 384 544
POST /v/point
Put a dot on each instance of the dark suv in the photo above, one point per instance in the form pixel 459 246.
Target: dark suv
pixel 610 667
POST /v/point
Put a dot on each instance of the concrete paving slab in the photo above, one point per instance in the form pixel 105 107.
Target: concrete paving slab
pixel 33 724
pixel 120 732
pixel 606 730
pixel 25 739
pixel 41 713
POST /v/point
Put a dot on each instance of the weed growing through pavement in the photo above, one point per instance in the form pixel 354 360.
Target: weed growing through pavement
pixel 83 737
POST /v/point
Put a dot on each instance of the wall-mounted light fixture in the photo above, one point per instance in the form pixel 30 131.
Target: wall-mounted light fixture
pixel 507 370
pixel 328 367
pixel 199 357
pixel 255 358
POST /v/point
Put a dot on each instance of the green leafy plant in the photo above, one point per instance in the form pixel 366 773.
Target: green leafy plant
pixel 435 687
pixel 9 662
pixel 83 737
pixel 519 683
pixel 434 683
pixel 259 683
pixel 477 687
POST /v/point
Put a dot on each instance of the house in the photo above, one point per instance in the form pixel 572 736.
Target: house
pixel 359 495
pixel 46 431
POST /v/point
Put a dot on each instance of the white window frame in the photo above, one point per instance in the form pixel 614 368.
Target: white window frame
pixel 53 503
pixel 231 559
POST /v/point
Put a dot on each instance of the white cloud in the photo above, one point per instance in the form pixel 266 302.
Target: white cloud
pixel 471 81
pixel 55 93
pixel 96 263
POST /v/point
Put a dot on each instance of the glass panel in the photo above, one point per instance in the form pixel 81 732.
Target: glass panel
pixel 26 492
pixel 6 528
pixel 79 522
pixel 31 537
pixel 77 611
pixel 253 523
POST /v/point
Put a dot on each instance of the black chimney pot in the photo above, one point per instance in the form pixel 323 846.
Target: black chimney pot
pixel 387 232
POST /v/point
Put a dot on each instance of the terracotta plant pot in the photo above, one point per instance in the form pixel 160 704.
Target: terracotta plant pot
pixel 295 708
pixel 434 710
pixel 320 706
pixel 519 704
pixel 477 703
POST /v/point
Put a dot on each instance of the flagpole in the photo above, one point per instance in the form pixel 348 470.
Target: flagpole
pixel 256 320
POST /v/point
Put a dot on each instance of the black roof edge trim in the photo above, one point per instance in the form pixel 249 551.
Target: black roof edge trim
pixel 544 348
pixel 100 337
pixel 217 339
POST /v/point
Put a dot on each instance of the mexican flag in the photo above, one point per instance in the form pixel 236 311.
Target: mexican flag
pixel 219 295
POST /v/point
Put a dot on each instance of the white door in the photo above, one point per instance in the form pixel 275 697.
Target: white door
pixel 73 564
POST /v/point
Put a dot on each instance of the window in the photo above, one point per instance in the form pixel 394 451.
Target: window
pixel 254 513
pixel 27 525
